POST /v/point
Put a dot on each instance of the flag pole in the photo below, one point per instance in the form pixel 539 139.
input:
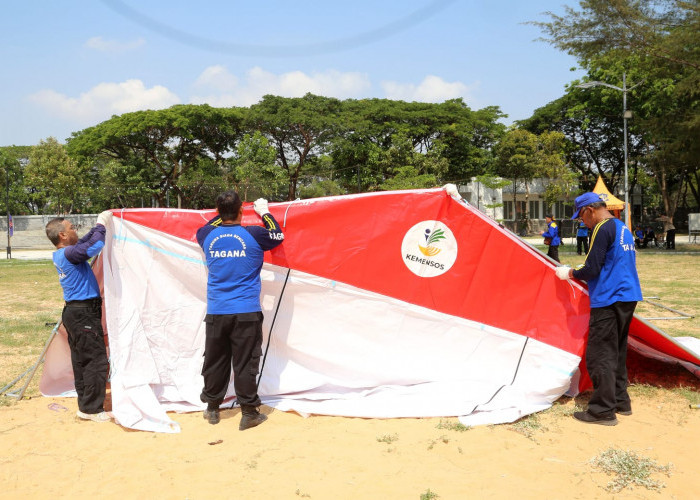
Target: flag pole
pixel 7 209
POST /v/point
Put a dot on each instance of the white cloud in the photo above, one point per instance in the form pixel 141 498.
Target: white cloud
pixel 218 87
pixel 218 78
pixel 431 89
pixel 99 43
pixel 104 100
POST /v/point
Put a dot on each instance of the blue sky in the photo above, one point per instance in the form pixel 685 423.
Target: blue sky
pixel 71 64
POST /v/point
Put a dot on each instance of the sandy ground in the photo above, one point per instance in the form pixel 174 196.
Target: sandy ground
pixel 46 452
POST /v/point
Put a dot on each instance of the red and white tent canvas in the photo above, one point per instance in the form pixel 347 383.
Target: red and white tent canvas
pixel 392 304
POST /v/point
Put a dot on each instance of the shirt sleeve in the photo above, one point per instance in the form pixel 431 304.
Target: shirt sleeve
pixel 268 237
pixel 603 236
pixel 551 232
pixel 207 228
pixel 88 246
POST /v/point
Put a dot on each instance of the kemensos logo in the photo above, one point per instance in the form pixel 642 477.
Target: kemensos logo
pixel 429 249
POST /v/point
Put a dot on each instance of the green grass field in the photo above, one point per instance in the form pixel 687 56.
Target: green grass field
pixel 31 303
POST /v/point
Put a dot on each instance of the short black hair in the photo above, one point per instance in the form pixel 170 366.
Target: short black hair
pixel 228 204
pixel 54 227
pixel 549 216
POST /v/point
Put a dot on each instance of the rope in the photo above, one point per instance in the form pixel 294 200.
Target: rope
pixel 284 222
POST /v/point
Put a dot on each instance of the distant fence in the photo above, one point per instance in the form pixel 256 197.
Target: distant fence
pixel 567 227
pixel 29 230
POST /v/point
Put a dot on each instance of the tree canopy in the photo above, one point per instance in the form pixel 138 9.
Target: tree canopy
pixel 656 44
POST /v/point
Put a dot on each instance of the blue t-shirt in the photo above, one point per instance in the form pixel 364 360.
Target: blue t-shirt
pixel 234 256
pixel 582 230
pixel 611 265
pixel 74 273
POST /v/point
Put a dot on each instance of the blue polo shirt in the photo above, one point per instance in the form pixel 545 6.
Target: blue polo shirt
pixel 74 272
pixel 234 256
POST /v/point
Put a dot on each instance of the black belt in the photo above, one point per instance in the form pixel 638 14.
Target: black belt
pixel 87 302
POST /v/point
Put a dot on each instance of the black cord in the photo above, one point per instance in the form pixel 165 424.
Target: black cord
pixel 286 279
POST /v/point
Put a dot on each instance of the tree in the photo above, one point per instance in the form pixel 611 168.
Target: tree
pixel 516 158
pixel 254 171
pixel 407 168
pixel 491 182
pixel 168 144
pixel 300 129
pixel 559 180
pixel 654 40
pixel 522 155
pixel 592 127
pixel 119 184
pixel 464 137
pixel 58 181
pixel 13 160
pixel 664 30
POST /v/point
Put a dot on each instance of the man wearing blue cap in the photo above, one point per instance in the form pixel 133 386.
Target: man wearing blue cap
pixel 610 269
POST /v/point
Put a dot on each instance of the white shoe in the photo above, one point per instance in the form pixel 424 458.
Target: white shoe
pixel 95 417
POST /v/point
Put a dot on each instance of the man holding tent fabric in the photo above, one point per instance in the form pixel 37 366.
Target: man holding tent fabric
pixel 82 314
pixel 610 269
pixel 234 256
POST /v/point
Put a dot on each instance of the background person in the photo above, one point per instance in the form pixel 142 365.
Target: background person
pixel 82 314
pixel 582 238
pixel 234 256
pixel 670 231
pixel 649 237
pixel 610 269
pixel 639 237
pixel 552 234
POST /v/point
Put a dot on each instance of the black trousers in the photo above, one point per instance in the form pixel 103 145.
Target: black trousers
pixel 582 244
pixel 671 239
pixel 606 357
pixel 232 340
pixel 88 354
pixel 553 252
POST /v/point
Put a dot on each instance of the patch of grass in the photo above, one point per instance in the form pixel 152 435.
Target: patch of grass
pixel 388 439
pixel 691 395
pixel 30 297
pixel 4 400
pixel 452 426
pixel 643 390
pixel 429 495
pixel 673 278
pixel 18 333
pixel 562 408
pixel 433 442
pixel 528 426
pixel 629 469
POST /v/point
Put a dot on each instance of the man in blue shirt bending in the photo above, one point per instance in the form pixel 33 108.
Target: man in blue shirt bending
pixel 610 269
pixel 82 314
pixel 234 256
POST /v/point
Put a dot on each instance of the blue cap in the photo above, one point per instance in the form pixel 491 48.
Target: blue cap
pixel 583 201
